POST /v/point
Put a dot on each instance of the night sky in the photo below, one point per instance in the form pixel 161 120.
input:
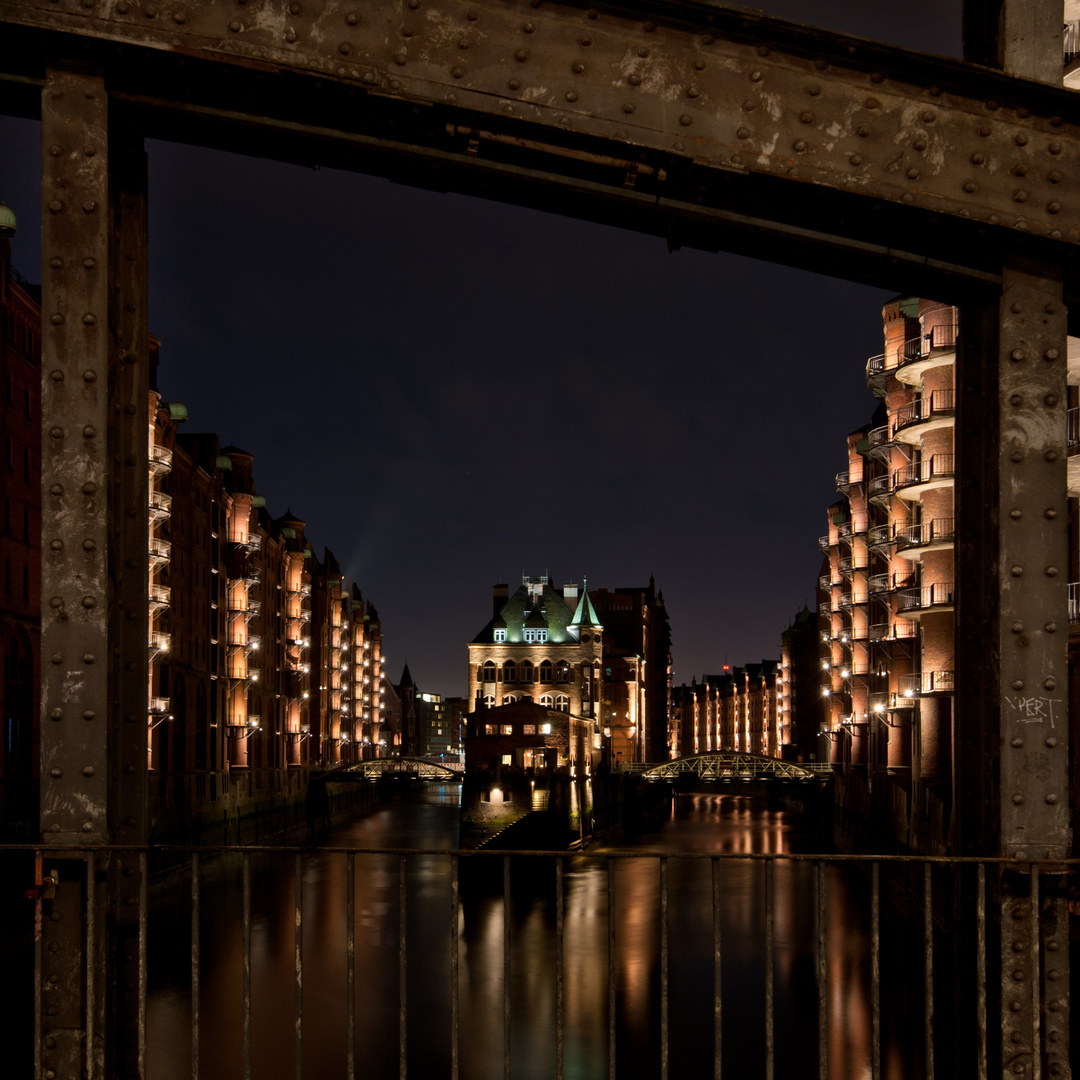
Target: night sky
pixel 452 392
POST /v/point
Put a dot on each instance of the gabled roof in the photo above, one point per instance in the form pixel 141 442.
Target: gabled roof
pixel 548 611
pixel 586 613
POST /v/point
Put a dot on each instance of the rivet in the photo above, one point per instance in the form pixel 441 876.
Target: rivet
pixel 634 80
pixel 89 375
pixel 993 219
pixel 643 52
pixel 89 487
pixel 648 27
pixel 352 18
pixel 528 27
pixel 521 55
pixel 1051 571
pixel 87 826
pixel 919 144
pixel 151 11
pixel 88 602
pixel 799 146
pixel 748 106
pixel 755 76
pixel 1051 798
pixel 856 159
pixel 693 92
pixel 180 18
pixel 290 36
pixel 935 91
pixel 56 206
pixel 978 158
pixel 56 490
pixel 344 48
pixel 1020 196
pixel 872 103
pixel 813 89
pixel 1016 456
pixel 928 117
pixel 56 262
pixel 1016 400
pixel 1051 455
pixel 592 13
pixel 970 186
pixel 571 95
pixel 56 432
pixel 1018 799
pixel 1051 741
pixel 984 131
pixel 743 133
pixel 88 770
pixel 876 77
pixel 89 319
pixel 1019 169
pixel 514 84
pixel 1051 400
pixel 463 43
pixel 686 120
pixel 806 117
pixel 1054 177
pixel 1018 684
pixel 56 319
pixel 89 545
pixel 56 545
pixel 1050 627
pixel 907 197
pixel 89 206
pixel 913 174
pixel 699 65
pixel 577 67
pixel 628 108
pixel 88 714
pixel 1050 683
pixel 1017 571
pixel 1017 355
pixel 992 105
pixel 89 431
pixel 1050 513
pixel 1050 354
pixel 1017 627
pixel 88 657
pixel 458 72
pixel 1018 742
pixel 123 7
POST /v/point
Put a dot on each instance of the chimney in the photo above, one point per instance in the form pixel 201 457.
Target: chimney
pixel 500 594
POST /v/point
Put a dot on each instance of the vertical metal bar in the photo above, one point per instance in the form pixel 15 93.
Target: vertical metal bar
pixel 350 965
pixel 928 969
pixel 455 918
pixel 144 910
pixel 769 1015
pixel 822 962
pixel 298 931
pixel 91 949
pixel 980 969
pixel 403 927
pixel 195 897
pixel 506 967
pixel 875 971
pixel 717 1033
pixel 246 1023
pixel 560 928
pixel 663 968
pixel 611 966
pixel 1036 980
pixel 38 904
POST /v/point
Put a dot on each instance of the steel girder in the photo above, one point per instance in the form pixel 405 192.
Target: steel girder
pixel 729 765
pixel 718 127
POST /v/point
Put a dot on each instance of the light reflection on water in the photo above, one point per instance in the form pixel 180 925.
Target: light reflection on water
pixel 699 824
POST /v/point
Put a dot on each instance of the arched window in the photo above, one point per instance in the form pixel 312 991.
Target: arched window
pixel 487 672
pixel 526 673
pixel 562 671
pixel 547 701
pixel 509 699
pixel 562 703
pixel 545 671
pixel 509 671
pixel 489 701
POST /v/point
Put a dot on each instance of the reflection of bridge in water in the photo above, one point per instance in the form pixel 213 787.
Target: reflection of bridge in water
pixel 732 765
pixel 405 768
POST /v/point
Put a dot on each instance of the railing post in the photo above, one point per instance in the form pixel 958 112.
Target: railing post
pixel 94 574
pixel 1011 736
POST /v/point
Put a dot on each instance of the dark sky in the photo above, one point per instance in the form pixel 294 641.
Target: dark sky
pixel 452 392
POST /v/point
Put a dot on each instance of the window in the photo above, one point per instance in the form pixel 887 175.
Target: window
pixel 545 671
pixel 506 729
pixel 500 635
pixel 562 703
pixel 562 671
pixel 526 675
pixel 545 729
pixel 509 699
pixel 547 701
pixel 489 701
pixel 509 671
pixel 489 729
pixel 536 637
pixel 528 729
pixel 487 672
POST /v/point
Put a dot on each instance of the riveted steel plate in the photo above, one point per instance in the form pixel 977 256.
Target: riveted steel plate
pixel 722 88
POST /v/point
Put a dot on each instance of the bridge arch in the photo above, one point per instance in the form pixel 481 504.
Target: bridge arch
pixel 423 768
pixel 730 765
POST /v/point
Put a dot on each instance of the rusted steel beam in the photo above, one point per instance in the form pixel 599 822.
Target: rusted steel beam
pixel 717 89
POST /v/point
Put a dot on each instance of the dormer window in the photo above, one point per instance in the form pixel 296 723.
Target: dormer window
pixel 535 637
pixel 500 635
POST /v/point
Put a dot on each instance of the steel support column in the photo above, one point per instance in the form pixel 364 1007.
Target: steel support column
pixel 1011 737
pixel 94 572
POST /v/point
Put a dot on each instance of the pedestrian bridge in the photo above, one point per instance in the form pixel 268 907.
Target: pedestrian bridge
pixel 413 768
pixel 734 765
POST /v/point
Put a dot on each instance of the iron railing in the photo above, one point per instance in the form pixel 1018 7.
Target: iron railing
pixel 1074 601
pixel 939 594
pixel 937 531
pixel 925 682
pixel 921 887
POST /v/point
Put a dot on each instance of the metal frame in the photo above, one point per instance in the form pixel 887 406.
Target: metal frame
pixel 730 765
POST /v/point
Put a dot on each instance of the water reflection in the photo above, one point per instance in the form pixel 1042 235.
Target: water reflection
pixel 704 824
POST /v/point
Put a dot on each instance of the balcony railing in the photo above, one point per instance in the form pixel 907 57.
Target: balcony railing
pixel 939 467
pixel 1074 601
pixel 160 705
pixel 159 641
pixel 940 594
pixel 1073 431
pixel 925 682
pixel 940 403
pixel 160 549
pixel 938 531
pixel 160 502
pixel 846 480
pixel 160 459
pixel 823 542
pixel 852 597
pixel 881 535
pixel 879 631
pixel 880 486
pixel 878 438
pixel 940 339
pixel 160 595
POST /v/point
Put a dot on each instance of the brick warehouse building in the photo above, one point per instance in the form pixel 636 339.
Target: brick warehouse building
pixel 264 661
pixel 887 670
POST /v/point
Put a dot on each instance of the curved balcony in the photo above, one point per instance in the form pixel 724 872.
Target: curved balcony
pixel 913 541
pixel 823 542
pixel 160 460
pixel 846 480
pixel 850 563
pixel 880 487
pixel 881 536
pixel 911 603
pixel 877 371
pixel 921 683
pixel 852 598
pixel 159 642
pixel 160 505
pixel 160 595
pixel 856 525
pixel 887 583
pixel 160 705
pixel 912 481
pixel 160 550
pixel 919 355
pixel 879 441
pixel 926 413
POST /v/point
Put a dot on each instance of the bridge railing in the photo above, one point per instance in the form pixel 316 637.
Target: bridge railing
pixel 690 964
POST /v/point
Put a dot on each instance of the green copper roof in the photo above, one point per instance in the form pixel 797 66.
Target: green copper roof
pixel 586 613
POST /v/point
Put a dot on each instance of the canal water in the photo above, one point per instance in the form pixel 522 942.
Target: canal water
pixel 428 820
